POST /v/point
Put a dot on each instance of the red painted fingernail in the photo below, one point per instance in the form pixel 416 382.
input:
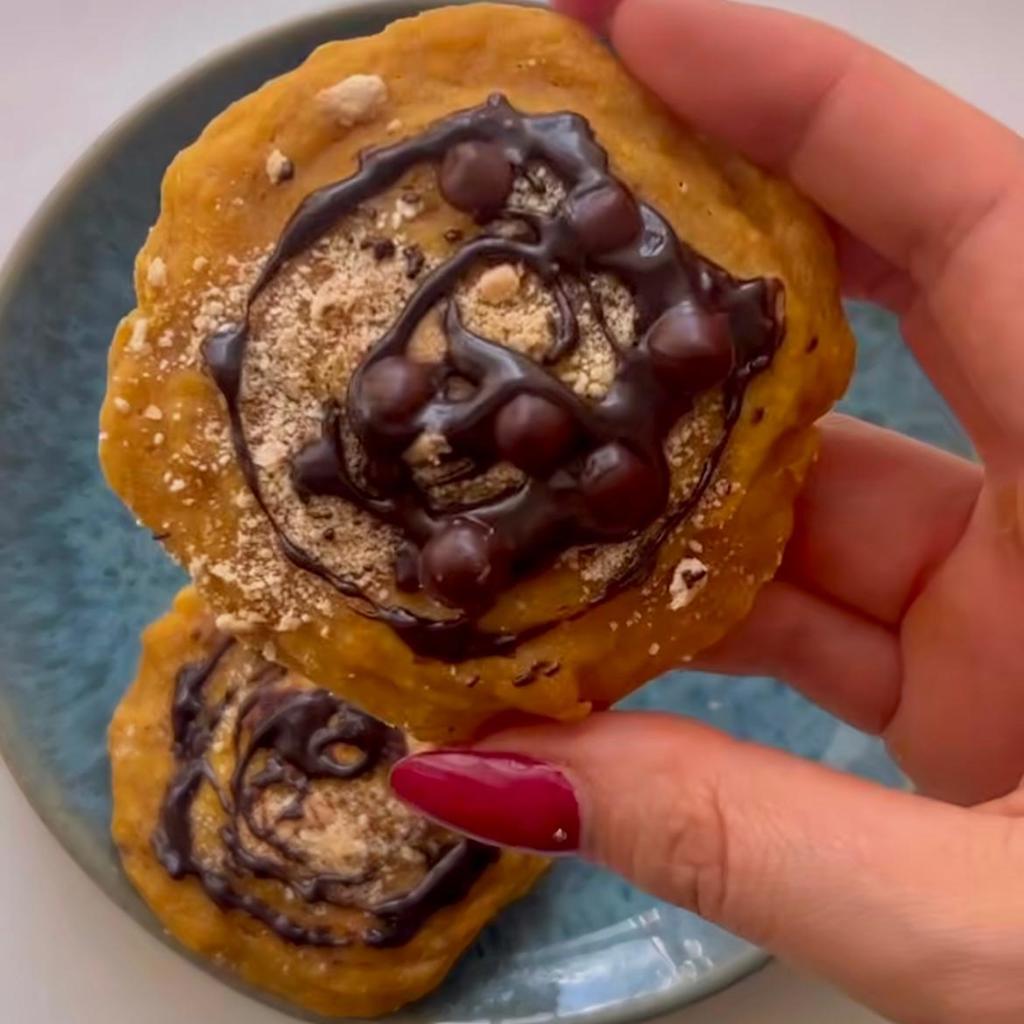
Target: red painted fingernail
pixel 499 798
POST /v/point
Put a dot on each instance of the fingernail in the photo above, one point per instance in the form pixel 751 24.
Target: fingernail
pixel 499 798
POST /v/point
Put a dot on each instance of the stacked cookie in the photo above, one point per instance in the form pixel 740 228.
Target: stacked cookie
pixel 452 400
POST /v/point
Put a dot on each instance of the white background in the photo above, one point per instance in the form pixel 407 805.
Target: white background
pixel 67 69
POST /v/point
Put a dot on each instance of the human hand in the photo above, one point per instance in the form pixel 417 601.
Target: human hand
pixel 900 607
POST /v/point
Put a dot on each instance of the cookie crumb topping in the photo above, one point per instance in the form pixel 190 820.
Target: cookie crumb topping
pixel 688 579
pixel 278 167
pixel 354 100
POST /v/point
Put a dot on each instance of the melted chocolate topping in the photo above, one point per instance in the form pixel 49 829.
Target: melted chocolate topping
pixel 295 730
pixel 596 471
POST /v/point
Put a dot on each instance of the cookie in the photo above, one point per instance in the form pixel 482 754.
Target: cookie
pixel 252 811
pixel 469 378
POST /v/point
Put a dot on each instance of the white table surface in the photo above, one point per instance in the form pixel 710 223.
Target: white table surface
pixel 67 69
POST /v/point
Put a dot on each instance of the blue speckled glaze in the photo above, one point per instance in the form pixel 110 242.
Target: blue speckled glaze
pixel 78 581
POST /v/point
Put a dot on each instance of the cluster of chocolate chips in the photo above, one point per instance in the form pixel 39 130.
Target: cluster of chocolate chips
pixel 613 487
pixel 595 471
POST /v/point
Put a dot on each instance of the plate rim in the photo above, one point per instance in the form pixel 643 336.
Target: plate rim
pixel 46 807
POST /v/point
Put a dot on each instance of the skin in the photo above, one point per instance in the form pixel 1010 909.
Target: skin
pixel 901 604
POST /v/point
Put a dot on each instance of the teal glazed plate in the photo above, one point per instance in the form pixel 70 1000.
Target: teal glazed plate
pixel 79 580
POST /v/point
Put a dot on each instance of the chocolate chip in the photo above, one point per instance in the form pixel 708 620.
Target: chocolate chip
pixel 414 260
pixel 757 415
pixel 812 344
pixel 329 534
pixel 462 566
pixel 476 177
pixel 533 433
pixel 393 390
pixel 316 470
pixel 605 219
pixel 690 348
pixel 622 491
pixel 453 235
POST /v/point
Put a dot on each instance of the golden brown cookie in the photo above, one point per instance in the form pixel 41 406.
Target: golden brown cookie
pixel 253 813
pixel 507 414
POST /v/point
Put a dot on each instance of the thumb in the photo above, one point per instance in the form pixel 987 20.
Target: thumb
pixel 903 901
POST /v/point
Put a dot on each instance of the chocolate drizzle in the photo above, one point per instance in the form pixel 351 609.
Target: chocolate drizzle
pixel 292 732
pixel 597 471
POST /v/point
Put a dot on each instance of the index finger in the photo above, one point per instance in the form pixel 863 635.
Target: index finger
pixel 895 159
pixel 931 184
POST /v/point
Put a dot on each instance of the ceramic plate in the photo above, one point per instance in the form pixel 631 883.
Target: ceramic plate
pixel 78 580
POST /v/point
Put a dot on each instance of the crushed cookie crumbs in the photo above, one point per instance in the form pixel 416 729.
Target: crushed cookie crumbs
pixel 278 167
pixel 156 273
pixel 137 339
pixel 689 578
pixel 427 449
pixel 354 100
pixel 498 285
pixel 233 624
